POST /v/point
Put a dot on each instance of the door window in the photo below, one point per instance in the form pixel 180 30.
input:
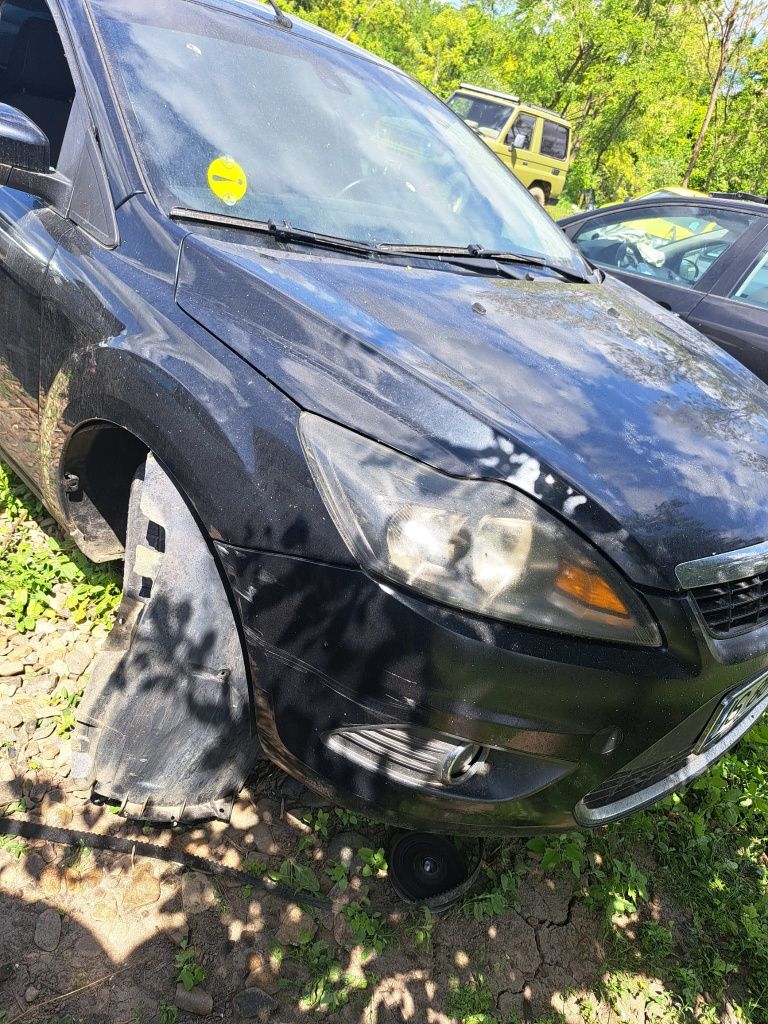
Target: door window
pixel 675 244
pixel 34 73
pixel 554 140
pixel 484 113
pixel 521 132
pixel 754 288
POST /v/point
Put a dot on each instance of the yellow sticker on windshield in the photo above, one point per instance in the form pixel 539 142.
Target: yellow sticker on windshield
pixel 227 180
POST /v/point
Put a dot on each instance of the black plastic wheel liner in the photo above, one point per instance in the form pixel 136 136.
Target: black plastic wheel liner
pixel 165 726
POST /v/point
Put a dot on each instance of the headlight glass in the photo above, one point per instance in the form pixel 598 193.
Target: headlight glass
pixel 476 545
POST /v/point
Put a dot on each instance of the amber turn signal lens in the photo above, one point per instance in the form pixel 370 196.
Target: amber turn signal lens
pixel 589 588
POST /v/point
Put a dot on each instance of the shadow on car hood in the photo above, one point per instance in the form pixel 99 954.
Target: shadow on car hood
pixel 647 437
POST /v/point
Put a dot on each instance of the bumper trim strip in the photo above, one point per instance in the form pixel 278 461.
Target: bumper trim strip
pixel 697 764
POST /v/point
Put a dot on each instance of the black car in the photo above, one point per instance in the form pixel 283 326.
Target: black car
pixel 410 499
pixel 705 259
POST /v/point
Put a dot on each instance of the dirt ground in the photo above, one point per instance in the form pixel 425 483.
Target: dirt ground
pixel 96 936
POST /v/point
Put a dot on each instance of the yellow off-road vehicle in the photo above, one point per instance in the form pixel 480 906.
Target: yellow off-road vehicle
pixel 533 142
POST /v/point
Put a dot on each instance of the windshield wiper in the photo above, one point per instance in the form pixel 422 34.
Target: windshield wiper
pixel 472 255
pixel 282 231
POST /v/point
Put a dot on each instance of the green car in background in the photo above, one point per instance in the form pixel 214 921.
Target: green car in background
pixel 533 142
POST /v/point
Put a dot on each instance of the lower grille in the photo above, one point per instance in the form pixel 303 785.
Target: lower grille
pixel 626 783
pixel 739 606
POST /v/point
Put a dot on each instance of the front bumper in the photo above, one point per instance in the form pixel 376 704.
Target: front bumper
pixel 331 649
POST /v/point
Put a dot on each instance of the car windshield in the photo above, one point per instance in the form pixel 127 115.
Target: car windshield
pixel 484 113
pixel 233 114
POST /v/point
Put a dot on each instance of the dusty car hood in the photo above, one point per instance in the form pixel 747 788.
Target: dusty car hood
pixel 650 439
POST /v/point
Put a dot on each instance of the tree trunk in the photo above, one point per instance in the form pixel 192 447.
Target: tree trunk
pixel 722 64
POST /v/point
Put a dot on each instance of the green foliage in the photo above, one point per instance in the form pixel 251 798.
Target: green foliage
pixel 633 78
pixel 563 849
pixel 296 876
pixel 329 987
pixel 13 847
pixel 168 1013
pixel 319 822
pixel 68 702
pixel 421 931
pixel 32 563
pixel 470 1002
pixel 337 873
pixel 367 928
pixel 189 971
pixel 374 862
pixel 500 890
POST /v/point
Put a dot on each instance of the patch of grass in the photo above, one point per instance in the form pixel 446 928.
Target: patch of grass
pixel 471 1001
pixel 67 701
pixel 296 876
pixel 32 563
pixel 367 928
pixel 168 1013
pixel 499 893
pixel 683 889
pixel 374 862
pixel 14 847
pixel 329 987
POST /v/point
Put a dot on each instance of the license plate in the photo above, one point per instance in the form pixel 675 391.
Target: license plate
pixel 732 709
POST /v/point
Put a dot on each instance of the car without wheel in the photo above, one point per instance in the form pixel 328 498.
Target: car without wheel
pixel 410 499
pixel 702 257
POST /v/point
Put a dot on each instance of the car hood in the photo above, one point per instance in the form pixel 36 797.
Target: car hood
pixel 614 414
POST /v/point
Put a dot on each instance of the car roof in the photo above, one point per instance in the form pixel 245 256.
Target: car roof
pixel 264 12
pixel 507 97
pixel 753 208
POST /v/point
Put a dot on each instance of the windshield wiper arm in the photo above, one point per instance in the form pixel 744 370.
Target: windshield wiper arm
pixel 528 260
pixel 471 255
pixel 281 231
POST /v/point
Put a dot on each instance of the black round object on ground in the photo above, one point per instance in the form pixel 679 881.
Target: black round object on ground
pixel 423 866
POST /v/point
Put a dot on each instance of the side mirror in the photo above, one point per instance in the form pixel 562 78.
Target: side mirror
pixel 25 158
pixel 22 144
pixel 517 140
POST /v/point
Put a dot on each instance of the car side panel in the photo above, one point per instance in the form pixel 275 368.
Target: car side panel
pixel 28 237
pixel 737 327
pixel 117 348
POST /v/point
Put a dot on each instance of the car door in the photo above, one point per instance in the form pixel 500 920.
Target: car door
pixel 672 252
pixel 34 80
pixel 553 154
pixel 522 138
pixel 735 312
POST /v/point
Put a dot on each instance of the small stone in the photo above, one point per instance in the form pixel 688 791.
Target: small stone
pixel 263 973
pixel 50 881
pixel 244 816
pixel 253 1004
pixel 196 893
pixel 48 931
pixel 344 847
pixel 143 888
pixel 11 668
pixel 7 774
pixel 78 660
pixel 104 910
pixel 264 841
pixel 178 935
pixel 11 717
pixel 295 927
pixel 31 994
pixel 197 1000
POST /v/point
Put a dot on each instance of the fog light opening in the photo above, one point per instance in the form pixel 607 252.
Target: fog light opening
pixel 461 762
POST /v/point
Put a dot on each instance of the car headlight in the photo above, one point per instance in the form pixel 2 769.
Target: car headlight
pixel 476 545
